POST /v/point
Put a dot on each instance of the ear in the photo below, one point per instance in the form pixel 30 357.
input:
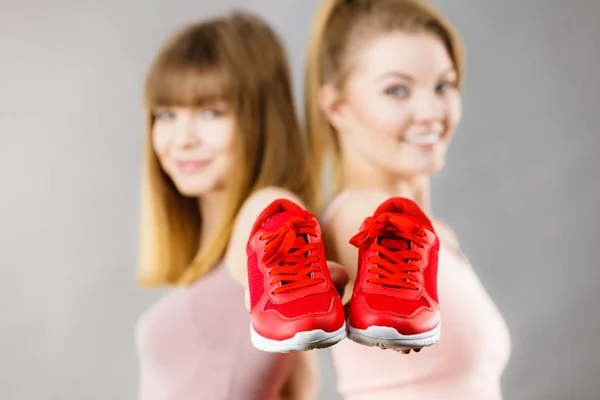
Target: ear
pixel 332 106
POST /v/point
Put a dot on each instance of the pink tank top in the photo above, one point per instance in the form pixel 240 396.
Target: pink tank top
pixel 194 343
pixel 465 364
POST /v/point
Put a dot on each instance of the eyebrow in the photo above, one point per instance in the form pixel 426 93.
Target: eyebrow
pixel 410 78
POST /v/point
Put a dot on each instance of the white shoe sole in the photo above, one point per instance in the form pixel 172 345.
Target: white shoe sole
pixel 302 341
pixel 389 338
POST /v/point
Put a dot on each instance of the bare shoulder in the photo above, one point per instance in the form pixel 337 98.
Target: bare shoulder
pixel 261 198
pixel 449 239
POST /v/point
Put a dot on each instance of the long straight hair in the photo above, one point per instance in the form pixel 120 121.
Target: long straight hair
pixel 237 58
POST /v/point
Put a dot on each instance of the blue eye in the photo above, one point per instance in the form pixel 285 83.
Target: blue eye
pixel 164 115
pixel 444 87
pixel 397 91
pixel 211 113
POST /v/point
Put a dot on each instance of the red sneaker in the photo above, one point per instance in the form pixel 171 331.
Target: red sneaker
pixel 293 303
pixel 394 302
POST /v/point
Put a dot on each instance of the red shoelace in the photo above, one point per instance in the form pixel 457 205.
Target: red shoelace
pixel 288 254
pixel 393 237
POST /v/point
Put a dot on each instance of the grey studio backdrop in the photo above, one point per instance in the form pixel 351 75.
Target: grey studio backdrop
pixel 521 187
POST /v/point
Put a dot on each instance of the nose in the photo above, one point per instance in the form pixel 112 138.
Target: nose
pixel 428 108
pixel 187 133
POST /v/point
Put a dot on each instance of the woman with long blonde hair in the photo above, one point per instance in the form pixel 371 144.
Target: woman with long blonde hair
pixel 383 101
pixel 223 141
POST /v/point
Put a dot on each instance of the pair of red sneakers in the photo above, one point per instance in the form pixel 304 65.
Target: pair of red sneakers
pixel 294 304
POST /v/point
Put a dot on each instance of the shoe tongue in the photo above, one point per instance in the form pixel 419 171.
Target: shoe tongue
pixel 394 244
pixel 398 244
pixel 274 222
pixel 408 218
pixel 406 208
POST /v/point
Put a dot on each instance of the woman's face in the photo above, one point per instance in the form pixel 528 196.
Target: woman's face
pixel 400 104
pixel 195 146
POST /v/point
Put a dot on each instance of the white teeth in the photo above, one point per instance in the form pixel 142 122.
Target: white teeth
pixel 423 139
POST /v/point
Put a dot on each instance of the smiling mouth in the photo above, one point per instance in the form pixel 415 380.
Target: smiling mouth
pixel 428 139
pixel 192 165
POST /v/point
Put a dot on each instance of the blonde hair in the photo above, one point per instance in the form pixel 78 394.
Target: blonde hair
pixel 237 58
pixel 339 28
